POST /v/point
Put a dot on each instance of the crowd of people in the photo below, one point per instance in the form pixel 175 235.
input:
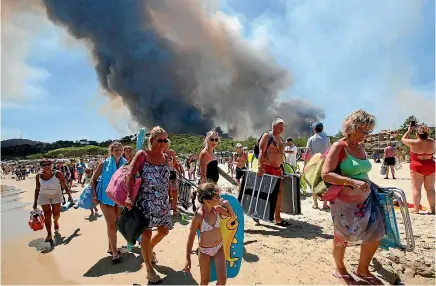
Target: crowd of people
pixel 353 202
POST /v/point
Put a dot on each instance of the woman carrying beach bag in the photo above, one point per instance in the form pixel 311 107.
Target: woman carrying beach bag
pixel 152 199
pixel 357 215
pixel 48 194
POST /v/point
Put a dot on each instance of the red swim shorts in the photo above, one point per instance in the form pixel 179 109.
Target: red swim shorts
pixel 270 170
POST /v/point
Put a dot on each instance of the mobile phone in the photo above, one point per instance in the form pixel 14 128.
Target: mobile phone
pixel 413 123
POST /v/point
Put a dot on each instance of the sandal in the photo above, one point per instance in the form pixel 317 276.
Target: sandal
pixel 282 223
pixel 155 279
pixel 49 238
pixel 347 278
pixel 315 207
pixel 110 252
pixel 372 280
pixel 154 259
pixel 116 258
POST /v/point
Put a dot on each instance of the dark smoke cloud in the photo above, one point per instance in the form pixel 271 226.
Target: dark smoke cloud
pixel 177 66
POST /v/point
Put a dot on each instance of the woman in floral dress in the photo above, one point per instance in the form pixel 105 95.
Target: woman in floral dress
pixel 152 199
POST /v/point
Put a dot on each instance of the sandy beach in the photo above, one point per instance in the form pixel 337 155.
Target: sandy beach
pixel 299 254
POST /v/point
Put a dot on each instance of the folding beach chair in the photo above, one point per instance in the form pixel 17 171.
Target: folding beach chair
pixel 258 195
pixel 392 236
pixel 184 192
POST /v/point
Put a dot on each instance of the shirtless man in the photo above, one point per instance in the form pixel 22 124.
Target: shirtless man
pixel 173 166
pixel 270 161
pixel 240 159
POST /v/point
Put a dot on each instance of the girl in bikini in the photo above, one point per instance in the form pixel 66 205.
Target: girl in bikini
pixel 207 221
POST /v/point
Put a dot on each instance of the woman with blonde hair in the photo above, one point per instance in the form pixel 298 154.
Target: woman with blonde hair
pixel 110 210
pixel 152 199
pixel 422 165
pixel 207 173
pixel 355 209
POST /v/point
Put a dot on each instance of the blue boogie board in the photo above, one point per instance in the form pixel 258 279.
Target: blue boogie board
pixel 232 231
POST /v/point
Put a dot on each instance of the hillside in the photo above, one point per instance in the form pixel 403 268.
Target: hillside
pixel 16 142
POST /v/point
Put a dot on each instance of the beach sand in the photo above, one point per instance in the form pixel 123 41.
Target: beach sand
pixel 300 254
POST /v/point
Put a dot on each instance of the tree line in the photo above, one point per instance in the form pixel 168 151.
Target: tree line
pixel 181 143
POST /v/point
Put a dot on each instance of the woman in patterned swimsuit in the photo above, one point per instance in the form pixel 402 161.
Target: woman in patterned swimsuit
pixel 152 199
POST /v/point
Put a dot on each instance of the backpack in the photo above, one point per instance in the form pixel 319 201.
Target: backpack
pixel 256 146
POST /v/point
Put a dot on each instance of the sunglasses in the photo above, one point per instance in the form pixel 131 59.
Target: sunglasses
pixel 46 164
pixel 118 150
pixel 162 141
pixel 366 132
pixel 214 139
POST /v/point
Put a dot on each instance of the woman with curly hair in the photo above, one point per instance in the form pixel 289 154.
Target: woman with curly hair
pixel 152 199
pixel 422 165
pixel 355 209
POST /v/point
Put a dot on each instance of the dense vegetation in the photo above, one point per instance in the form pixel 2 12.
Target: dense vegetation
pixel 181 143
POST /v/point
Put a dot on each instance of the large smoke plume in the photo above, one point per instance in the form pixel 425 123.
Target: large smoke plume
pixel 177 65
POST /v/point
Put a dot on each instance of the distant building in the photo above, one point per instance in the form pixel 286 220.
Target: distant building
pixel 379 141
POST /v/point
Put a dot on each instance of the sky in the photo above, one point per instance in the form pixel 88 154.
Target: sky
pixel 342 54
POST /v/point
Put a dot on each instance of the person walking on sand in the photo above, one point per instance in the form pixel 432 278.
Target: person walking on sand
pixel 270 161
pixel 152 199
pixel 291 153
pixel 48 194
pixel 174 167
pixel 206 156
pixel 207 221
pixel 110 210
pixel 422 165
pixel 357 215
pixel 240 159
pixel 389 160
pixel 318 143
pixel 81 169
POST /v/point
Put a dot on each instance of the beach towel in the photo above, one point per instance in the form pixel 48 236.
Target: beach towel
pixel 109 168
pixel 85 199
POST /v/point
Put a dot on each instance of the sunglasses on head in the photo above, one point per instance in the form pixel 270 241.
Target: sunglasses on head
pixel 214 139
pixel 162 141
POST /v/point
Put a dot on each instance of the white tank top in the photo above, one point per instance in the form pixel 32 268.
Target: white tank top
pixel 49 187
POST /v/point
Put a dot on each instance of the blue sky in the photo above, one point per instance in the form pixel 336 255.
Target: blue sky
pixel 343 55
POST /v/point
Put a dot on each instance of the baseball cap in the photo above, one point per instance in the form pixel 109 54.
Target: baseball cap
pixel 289 139
pixel 238 145
pixel 277 121
pixel 317 125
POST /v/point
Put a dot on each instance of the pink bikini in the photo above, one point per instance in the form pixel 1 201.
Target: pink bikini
pixel 211 251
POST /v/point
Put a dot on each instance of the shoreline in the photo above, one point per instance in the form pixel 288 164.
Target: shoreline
pixel 299 254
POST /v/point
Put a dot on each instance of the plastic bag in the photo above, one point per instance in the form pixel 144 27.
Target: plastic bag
pixel 383 170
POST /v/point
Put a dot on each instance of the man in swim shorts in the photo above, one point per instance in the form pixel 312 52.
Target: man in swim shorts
pixel 270 161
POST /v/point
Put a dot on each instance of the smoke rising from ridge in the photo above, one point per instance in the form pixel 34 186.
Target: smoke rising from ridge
pixel 175 65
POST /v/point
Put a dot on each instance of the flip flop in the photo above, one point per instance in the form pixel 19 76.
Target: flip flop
pixel 116 259
pixel 372 280
pixel 282 223
pixel 155 279
pixel 110 252
pixel 347 278
pixel 315 207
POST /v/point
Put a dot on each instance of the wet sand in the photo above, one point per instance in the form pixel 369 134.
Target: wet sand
pixel 299 254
